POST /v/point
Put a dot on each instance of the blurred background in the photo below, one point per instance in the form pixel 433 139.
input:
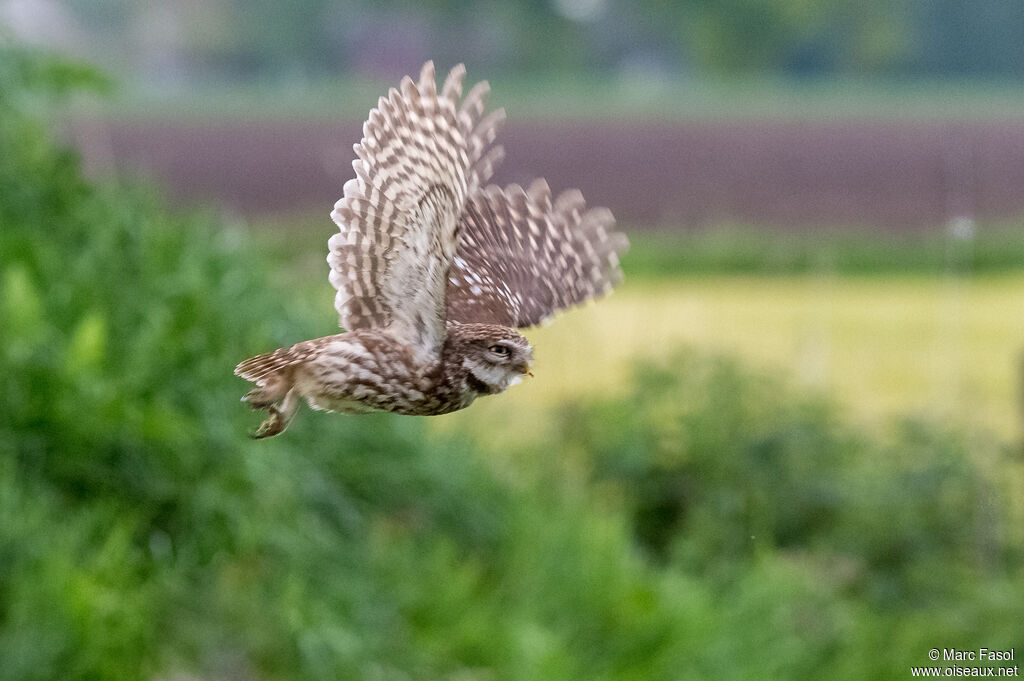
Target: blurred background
pixel 791 445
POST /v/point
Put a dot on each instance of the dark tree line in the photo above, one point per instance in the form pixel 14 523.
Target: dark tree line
pixel 933 38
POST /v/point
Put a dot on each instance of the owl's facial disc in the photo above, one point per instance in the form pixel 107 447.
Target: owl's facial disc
pixel 501 363
pixel 510 353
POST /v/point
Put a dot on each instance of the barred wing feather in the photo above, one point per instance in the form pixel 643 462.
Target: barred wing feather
pixel 422 154
pixel 522 257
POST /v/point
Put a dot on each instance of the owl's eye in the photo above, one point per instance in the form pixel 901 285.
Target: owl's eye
pixel 500 350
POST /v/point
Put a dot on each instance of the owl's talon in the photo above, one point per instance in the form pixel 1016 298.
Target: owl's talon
pixel 272 425
pixel 281 414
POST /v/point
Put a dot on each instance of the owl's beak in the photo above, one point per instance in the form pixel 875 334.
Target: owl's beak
pixel 525 369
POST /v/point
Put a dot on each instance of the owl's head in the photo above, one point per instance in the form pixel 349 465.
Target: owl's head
pixel 494 357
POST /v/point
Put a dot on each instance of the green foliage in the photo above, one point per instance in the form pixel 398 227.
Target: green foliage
pixel 246 39
pixel 794 36
pixel 265 40
pixel 995 249
pixel 835 536
pixel 568 96
pixel 711 525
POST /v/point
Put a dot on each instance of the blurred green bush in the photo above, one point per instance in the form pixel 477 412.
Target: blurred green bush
pixel 711 525
pixel 863 546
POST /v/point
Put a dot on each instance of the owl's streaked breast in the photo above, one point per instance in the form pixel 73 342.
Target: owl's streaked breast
pixel 368 370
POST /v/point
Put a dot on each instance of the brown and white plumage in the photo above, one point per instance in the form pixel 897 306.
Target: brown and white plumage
pixel 434 269
pixel 522 257
pixel 421 155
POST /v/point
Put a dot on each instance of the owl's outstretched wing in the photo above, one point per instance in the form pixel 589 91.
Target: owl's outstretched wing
pixel 422 154
pixel 522 257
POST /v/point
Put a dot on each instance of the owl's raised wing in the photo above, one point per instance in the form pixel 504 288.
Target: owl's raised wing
pixel 422 154
pixel 522 257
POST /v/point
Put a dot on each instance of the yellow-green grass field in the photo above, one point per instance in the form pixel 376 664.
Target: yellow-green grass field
pixel 881 346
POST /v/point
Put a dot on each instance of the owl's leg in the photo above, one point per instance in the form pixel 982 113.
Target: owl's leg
pixel 280 416
pixel 274 388
pixel 260 398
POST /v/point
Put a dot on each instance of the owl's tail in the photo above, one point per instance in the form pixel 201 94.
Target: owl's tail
pixel 275 392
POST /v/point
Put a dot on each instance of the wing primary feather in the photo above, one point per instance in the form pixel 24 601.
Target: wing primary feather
pixel 523 256
pixel 423 152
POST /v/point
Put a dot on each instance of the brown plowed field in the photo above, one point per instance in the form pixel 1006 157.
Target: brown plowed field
pixel 892 174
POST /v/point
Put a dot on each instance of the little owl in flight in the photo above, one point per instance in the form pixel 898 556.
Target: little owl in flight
pixel 435 270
